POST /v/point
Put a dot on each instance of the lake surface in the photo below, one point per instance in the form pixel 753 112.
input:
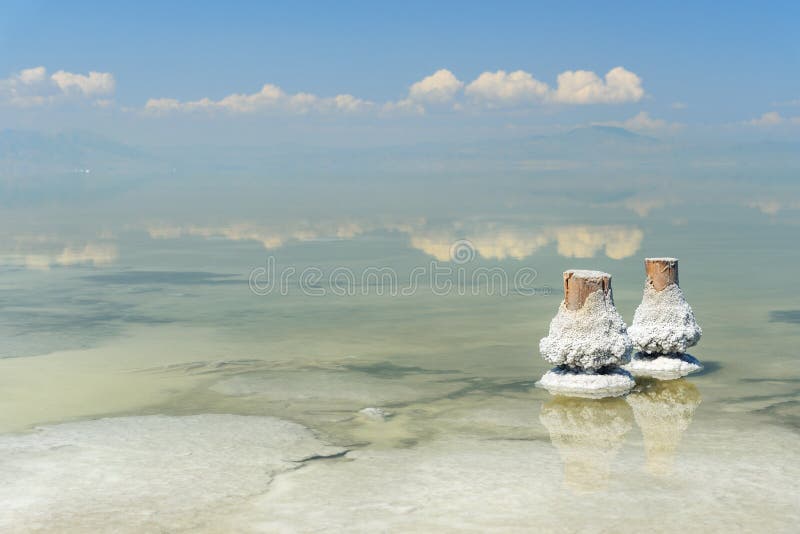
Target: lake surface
pixel 199 355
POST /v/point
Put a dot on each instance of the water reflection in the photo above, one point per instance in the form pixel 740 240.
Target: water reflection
pixel 492 239
pixel 41 252
pixel 43 245
pixel 588 435
pixel 272 236
pixel 663 412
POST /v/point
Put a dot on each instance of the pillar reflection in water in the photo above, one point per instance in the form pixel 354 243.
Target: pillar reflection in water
pixel 588 434
pixel 663 412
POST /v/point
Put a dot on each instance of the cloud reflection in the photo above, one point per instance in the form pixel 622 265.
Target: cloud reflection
pixel 269 238
pixel 43 252
pixel 491 240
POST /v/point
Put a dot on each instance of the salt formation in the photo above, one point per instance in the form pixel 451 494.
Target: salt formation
pixel 587 341
pixel 663 367
pixel 147 473
pixel 663 412
pixel 727 480
pixel 663 325
pixel 588 435
pixel 375 414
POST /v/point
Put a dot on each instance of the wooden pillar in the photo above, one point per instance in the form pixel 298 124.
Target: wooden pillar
pixel 579 284
pixel 661 272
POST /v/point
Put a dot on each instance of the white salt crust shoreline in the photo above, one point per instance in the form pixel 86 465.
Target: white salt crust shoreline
pixel 587 477
pixel 144 474
pixel 223 473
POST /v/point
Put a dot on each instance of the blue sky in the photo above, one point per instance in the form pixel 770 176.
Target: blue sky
pixel 698 64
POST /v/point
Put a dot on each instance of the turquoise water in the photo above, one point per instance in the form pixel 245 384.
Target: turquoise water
pixel 139 304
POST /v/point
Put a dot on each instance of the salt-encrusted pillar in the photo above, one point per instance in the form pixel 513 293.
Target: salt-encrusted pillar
pixel 587 341
pixel 663 325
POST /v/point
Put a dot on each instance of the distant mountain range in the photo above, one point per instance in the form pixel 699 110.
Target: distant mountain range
pixel 65 152
pixel 35 165
pixel 82 161
pixel 600 132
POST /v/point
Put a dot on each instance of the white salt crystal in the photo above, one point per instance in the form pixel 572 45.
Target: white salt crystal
pixel 590 338
pixel 560 381
pixel 664 322
pixel 663 367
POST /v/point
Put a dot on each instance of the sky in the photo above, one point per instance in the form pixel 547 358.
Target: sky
pixel 355 72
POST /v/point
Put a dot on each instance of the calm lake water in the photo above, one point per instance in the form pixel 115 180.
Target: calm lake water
pixel 134 344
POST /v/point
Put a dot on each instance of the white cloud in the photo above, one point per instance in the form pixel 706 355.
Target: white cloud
pixel 96 83
pixel 403 106
pixel 439 87
pixel 586 87
pixel 162 105
pixel 348 103
pixel 303 102
pixel 773 206
pixel 643 122
pixel 31 76
pixel 573 87
pixel 494 89
pixel 773 118
pixel 33 87
pixel 103 103
pixel 679 105
pixel 770 118
pixel 270 97
pixel 508 88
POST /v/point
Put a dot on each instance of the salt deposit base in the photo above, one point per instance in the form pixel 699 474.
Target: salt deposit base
pixel 593 349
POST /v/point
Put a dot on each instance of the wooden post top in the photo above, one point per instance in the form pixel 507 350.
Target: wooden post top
pixel 661 272
pixel 579 284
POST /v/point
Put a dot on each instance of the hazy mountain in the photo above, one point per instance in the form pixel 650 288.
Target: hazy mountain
pixel 24 152
pixel 35 165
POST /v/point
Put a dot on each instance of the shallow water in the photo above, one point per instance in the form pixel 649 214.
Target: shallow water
pixel 121 324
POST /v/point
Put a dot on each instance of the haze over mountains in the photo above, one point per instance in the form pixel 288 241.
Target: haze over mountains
pixel 34 164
